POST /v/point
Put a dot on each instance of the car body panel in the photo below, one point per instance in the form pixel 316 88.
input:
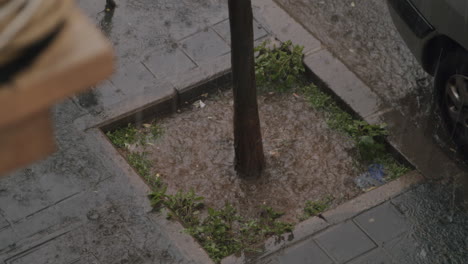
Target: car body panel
pixel 415 44
pixel 447 17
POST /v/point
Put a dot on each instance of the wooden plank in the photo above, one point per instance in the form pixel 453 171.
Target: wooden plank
pixel 26 141
pixel 79 58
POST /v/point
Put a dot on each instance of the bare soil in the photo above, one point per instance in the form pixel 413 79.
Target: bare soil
pixel 305 159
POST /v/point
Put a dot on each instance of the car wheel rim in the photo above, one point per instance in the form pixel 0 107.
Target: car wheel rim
pixel 456 105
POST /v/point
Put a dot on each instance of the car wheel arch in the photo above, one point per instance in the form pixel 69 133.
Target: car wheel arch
pixel 434 50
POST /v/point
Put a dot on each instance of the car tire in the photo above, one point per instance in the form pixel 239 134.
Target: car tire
pixel 451 86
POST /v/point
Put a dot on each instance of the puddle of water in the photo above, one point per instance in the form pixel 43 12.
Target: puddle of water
pixel 439 225
pixel 305 159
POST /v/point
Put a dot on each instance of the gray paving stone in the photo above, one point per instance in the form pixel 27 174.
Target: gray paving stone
pixel 132 79
pixel 205 46
pixel 224 31
pixel 382 223
pixel 377 256
pixel 103 95
pixel 163 63
pixel 406 250
pixel 344 241
pixel 87 260
pixel 8 237
pixel 283 26
pixel 345 83
pixel 107 94
pixel 36 223
pixel 3 222
pixel 55 251
pixel 29 192
pixel 307 252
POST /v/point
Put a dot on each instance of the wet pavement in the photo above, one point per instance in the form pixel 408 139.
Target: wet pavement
pixel 84 204
pixel 74 207
pixel 80 205
pixel 362 36
pixel 412 228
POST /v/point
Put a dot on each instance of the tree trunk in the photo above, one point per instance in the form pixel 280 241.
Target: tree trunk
pixel 249 160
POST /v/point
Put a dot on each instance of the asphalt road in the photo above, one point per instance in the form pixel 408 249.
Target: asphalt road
pixel 362 35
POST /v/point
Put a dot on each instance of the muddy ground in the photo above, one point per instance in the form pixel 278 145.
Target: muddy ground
pixel 305 159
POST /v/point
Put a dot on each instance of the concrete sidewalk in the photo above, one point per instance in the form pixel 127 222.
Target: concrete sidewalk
pixel 84 204
pixel 409 228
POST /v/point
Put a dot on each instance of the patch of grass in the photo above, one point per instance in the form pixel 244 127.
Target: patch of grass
pixel 279 68
pixel 158 195
pixel 369 139
pixel 140 163
pixel 393 169
pixel 156 131
pixel 123 136
pixel 185 207
pixel 313 208
pixel 222 232
pixel 216 233
pixel 149 132
pixel 225 232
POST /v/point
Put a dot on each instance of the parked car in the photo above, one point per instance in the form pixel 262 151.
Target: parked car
pixel 436 31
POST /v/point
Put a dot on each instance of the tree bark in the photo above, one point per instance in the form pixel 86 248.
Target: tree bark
pixel 249 157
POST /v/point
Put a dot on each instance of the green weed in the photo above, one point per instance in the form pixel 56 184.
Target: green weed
pixel 140 163
pixel 369 139
pixel 222 232
pixel 225 232
pixel 156 131
pixel 185 207
pixel 216 233
pixel 123 136
pixel 313 208
pixel 280 67
pixel 393 169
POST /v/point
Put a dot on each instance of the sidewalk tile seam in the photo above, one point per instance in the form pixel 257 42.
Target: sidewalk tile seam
pixel 7 220
pixel 197 65
pixel 219 33
pixel 330 229
pixel 47 207
pixel 193 40
pixel 286 245
pixel 304 242
pixel 38 244
pixel 399 217
pixel 204 29
pixel 392 244
pixel 362 254
pixel 146 67
pixel 363 230
pixel 324 250
pixel 268 31
pixel 32 240
pixel 386 254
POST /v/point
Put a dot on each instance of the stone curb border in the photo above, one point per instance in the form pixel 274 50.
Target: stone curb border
pixel 341 213
pixel 321 65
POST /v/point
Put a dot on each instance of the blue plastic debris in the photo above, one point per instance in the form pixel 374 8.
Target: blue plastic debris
pixel 373 177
